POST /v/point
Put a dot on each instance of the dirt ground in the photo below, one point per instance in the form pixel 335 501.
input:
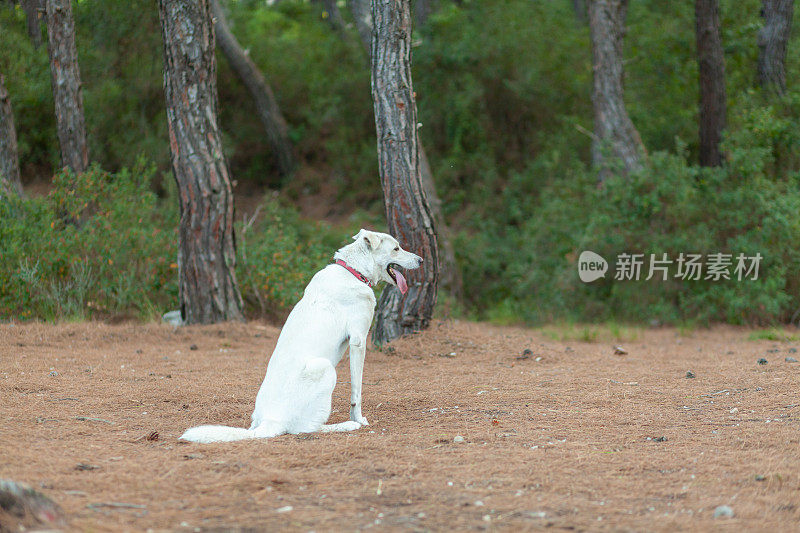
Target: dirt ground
pixel 568 436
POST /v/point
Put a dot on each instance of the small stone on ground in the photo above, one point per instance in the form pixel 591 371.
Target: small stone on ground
pixel 723 511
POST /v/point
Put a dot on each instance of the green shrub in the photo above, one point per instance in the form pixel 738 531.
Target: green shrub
pixel 102 245
pixel 670 207
pixel 504 96
pixel 278 254
pixel 97 245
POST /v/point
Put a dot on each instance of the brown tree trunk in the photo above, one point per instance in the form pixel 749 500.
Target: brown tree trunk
pixel 615 137
pixel 206 250
pixel 66 80
pixel 33 10
pixel 9 156
pixel 772 41
pixel 449 275
pixel 268 111
pixel 712 81
pixel 407 209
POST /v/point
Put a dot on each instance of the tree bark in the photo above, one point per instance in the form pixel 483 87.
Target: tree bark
pixel 407 210
pixel 32 10
pixel 9 156
pixel 772 40
pixel 615 137
pixel 268 111
pixel 206 251
pixel 66 81
pixel 449 275
pixel 712 81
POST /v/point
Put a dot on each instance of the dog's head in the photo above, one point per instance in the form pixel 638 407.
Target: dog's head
pixel 388 256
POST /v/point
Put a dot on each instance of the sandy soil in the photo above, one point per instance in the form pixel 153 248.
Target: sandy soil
pixel 568 438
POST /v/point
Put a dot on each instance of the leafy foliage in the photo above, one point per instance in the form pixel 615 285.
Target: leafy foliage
pixel 278 254
pixel 504 97
pixel 98 244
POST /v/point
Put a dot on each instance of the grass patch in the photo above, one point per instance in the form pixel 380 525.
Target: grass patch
pixel 605 332
pixel 773 334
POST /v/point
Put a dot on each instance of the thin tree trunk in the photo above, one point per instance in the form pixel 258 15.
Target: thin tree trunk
pixel 332 15
pixel 32 18
pixel 9 156
pixel 772 41
pixel 423 10
pixel 206 250
pixel 712 81
pixel 362 14
pixel 579 6
pixel 449 275
pixel 268 111
pixel 615 137
pixel 407 209
pixel 66 81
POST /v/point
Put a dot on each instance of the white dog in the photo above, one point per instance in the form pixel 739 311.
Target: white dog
pixel 335 312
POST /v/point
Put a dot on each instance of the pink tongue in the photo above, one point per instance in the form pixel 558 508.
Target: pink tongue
pixel 401 281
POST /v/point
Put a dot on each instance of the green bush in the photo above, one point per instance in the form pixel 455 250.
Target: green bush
pixel 103 245
pixel 97 245
pixel 504 96
pixel 278 254
pixel 748 206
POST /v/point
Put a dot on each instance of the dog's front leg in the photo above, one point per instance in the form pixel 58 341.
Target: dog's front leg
pixel 358 352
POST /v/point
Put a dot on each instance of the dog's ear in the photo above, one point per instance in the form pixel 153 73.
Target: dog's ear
pixel 372 240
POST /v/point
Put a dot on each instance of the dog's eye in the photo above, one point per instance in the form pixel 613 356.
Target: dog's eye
pixel 396 248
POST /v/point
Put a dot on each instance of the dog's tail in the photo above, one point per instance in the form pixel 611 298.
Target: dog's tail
pixel 207 434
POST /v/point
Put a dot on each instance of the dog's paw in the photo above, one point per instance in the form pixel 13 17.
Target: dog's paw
pixel 361 420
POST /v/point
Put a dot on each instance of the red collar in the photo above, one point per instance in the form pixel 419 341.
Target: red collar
pixel 354 272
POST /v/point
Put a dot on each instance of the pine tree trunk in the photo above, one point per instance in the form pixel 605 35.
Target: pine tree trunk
pixel 268 111
pixel 206 250
pixel 9 156
pixel 407 209
pixel 449 275
pixel 32 18
pixel 772 41
pixel 66 81
pixel 615 137
pixel 712 81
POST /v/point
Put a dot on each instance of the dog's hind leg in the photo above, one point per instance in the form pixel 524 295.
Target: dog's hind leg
pixel 316 384
pixel 341 426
